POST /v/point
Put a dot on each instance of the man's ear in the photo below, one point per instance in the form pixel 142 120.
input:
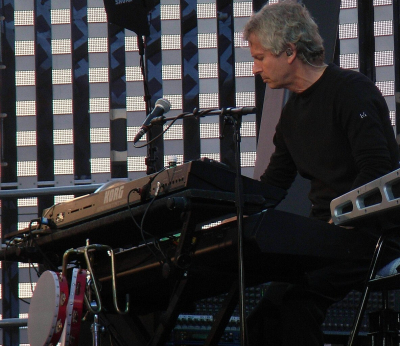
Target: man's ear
pixel 291 52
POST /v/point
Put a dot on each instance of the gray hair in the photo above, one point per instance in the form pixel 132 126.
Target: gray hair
pixel 279 24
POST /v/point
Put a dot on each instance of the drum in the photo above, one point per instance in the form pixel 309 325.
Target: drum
pixel 72 327
pixel 47 310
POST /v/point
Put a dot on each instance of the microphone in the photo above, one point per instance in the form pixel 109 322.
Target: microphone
pixel 162 106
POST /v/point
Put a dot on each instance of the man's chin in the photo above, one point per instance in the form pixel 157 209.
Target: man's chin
pixel 271 85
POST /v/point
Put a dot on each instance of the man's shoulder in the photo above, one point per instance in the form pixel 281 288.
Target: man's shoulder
pixel 350 83
pixel 346 75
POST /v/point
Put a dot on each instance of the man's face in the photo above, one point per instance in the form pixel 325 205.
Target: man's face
pixel 274 70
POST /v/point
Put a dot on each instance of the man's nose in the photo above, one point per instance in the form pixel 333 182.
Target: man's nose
pixel 256 69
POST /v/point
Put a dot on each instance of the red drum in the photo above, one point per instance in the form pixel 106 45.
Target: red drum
pixel 72 327
pixel 47 310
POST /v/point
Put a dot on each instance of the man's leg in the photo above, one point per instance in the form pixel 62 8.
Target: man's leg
pixel 264 321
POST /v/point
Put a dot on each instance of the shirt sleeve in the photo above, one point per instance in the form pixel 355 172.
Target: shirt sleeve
pixel 365 118
pixel 281 170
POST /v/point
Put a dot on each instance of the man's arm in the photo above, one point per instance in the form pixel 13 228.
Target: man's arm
pixel 281 170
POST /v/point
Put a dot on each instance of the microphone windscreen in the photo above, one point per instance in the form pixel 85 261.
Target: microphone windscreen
pixel 164 103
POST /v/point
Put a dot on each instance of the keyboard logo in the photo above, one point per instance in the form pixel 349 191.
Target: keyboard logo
pixel 113 194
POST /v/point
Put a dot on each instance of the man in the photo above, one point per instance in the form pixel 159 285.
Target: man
pixel 335 131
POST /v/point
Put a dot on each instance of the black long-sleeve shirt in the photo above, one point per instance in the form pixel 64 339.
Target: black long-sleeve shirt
pixel 337 133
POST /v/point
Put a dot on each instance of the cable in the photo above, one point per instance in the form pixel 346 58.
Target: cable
pixel 9 278
pixel 196 113
pixel 155 241
pixel 30 275
pixel 141 225
pixel 139 191
pixel 33 240
pixel 179 116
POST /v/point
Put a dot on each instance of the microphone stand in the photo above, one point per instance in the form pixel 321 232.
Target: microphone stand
pixel 232 115
pixel 237 122
pixel 150 160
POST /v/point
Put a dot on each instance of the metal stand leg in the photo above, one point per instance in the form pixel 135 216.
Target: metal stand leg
pixel 170 316
pixel 364 299
pixel 96 329
pixel 223 316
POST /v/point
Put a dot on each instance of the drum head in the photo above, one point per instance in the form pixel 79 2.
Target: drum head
pixel 47 310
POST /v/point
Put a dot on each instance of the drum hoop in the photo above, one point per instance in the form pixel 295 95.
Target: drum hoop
pixel 63 288
pixel 61 298
pixel 75 303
